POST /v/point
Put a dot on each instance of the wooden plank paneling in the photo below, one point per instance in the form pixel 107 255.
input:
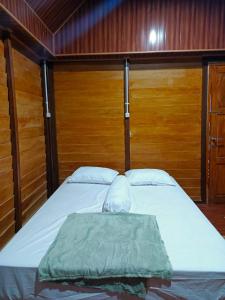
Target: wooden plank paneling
pixel 165 108
pixel 216 215
pixel 26 17
pixel 5 207
pixel 54 12
pixel 142 26
pixel 7 234
pixel 7 219
pixel 89 119
pixel 22 39
pixel 50 128
pixel 14 130
pixel 40 199
pixel 31 133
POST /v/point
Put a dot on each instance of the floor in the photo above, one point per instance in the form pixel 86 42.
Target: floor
pixel 216 214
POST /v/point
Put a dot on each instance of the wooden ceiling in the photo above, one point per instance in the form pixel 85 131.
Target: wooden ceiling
pixel 54 12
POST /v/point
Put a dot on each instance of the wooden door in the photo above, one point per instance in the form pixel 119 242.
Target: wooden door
pixel 165 119
pixel 216 135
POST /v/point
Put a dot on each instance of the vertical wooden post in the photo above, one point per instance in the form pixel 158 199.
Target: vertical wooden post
pixel 127 144
pixel 50 128
pixel 204 164
pixel 126 115
pixel 14 129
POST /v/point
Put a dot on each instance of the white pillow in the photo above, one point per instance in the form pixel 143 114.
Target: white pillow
pixel 118 198
pixel 93 175
pixel 149 177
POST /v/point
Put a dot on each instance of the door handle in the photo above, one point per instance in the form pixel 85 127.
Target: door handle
pixel 218 142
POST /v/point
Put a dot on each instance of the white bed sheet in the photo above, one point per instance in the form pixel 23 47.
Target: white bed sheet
pixel 196 250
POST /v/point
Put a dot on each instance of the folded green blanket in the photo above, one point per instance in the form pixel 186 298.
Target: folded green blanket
pixel 96 246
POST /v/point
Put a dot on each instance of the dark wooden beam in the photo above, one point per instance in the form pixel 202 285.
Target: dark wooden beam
pixel 127 144
pixel 50 130
pixel 14 129
pixel 143 57
pixel 203 130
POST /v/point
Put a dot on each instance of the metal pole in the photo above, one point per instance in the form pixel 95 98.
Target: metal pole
pixel 48 114
pixel 126 89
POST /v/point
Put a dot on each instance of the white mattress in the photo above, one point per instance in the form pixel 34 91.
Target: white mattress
pixel 196 250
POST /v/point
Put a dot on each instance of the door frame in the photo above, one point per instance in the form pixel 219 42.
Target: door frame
pixel 205 127
pixel 204 132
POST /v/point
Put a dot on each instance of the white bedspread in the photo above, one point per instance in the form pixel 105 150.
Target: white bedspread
pixel 196 250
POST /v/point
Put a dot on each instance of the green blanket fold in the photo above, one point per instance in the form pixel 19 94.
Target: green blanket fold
pixel 96 246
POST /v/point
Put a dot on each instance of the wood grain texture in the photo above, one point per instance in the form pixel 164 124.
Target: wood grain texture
pixel 216 134
pixel 89 119
pixel 54 12
pixel 216 215
pixel 14 131
pixel 119 28
pixel 31 133
pixel 21 11
pixel 50 130
pixel 140 25
pixel 22 39
pixel 7 220
pixel 165 123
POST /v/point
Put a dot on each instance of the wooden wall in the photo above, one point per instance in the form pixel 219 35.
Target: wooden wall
pixel 141 26
pixel 119 26
pixel 165 120
pixel 165 123
pixel 23 182
pixel 29 103
pixel 89 118
pixel 25 16
pixel 54 12
pixel 7 222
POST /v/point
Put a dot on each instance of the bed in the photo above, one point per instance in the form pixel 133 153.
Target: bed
pixel 195 248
